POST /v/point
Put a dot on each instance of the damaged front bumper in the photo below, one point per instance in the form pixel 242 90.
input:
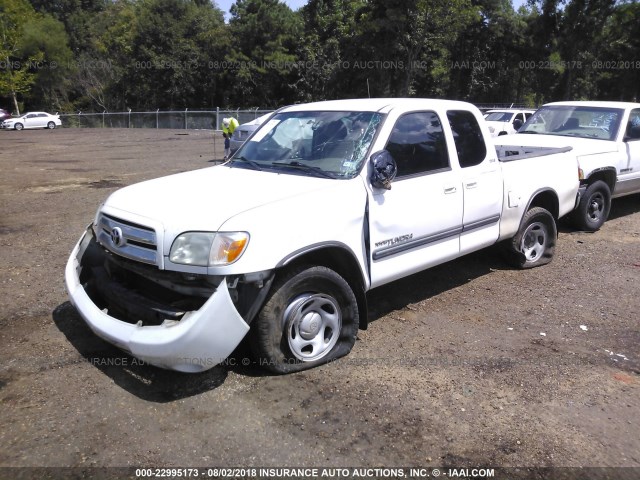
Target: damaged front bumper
pixel 199 340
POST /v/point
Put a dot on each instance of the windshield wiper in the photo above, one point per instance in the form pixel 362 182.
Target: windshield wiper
pixel 529 131
pixel 316 171
pixel 244 161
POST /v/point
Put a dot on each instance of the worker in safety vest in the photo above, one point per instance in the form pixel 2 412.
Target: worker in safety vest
pixel 229 126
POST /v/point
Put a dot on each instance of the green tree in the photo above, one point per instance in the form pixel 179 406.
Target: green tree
pixel 31 45
pixel 45 38
pixel 154 54
pixel 618 66
pixel 77 17
pixel 262 54
pixel 330 31
pixel 580 43
pixel 409 43
pixel 486 56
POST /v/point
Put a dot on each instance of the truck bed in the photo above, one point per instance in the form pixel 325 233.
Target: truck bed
pixel 509 153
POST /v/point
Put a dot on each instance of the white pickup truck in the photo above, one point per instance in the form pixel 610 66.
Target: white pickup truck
pixel 605 137
pixel 324 202
pixel 506 121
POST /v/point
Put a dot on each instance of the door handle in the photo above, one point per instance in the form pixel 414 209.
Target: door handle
pixel 449 190
pixel 471 185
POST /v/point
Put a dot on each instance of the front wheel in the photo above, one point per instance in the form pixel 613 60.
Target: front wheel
pixel 310 318
pixel 18 126
pixel 593 209
pixel 535 242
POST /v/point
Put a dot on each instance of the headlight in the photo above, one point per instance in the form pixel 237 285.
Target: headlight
pixel 208 248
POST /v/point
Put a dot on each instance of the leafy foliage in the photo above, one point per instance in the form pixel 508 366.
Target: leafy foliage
pixel 174 54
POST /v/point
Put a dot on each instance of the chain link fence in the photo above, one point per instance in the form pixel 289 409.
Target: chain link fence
pixel 185 119
pixel 178 119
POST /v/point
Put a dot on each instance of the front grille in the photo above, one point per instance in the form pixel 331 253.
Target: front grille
pixel 127 239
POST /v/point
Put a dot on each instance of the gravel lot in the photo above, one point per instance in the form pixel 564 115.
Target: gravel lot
pixel 468 364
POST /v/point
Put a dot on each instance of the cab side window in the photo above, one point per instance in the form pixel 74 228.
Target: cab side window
pixel 633 127
pixel 417 144
pixel 468 138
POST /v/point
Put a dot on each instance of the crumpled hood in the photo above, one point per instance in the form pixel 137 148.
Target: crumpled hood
pixel 580 146
pixel 205 199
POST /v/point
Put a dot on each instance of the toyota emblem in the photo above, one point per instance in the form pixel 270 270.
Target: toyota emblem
pixel 116 236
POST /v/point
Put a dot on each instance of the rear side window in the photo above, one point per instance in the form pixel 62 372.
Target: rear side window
pixel 633 127
pixel 417 144
pixel 468 138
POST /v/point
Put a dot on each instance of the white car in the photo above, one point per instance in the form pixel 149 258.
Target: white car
pixel 506 121
pixel 32 120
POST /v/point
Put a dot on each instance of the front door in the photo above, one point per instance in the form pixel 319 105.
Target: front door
pixel 629 176
pixel 416 224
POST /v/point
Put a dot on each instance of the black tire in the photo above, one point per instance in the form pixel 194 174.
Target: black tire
pixel 310 318
pixel 594 207
pixel 535 243
pixel 18 126
pixel 51 125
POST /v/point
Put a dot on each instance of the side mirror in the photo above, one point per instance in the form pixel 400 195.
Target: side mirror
pixel 517 123
pixel 384 169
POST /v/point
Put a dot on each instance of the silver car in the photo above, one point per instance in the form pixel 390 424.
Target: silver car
pixel 244 131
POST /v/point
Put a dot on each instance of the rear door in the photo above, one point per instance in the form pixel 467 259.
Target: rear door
pixel 418 222
pixel 481 182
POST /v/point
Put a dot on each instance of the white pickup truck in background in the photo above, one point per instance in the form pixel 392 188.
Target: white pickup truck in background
pixel 323 203
pixel 605 136
pixel 506 121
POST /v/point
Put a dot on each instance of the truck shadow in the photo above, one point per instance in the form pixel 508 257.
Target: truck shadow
pixel 142 380
pixel 433 281
pixel 621 207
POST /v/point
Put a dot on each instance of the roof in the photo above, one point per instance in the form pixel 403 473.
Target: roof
pixel 510 110
pixel 594 104
pixel 382 105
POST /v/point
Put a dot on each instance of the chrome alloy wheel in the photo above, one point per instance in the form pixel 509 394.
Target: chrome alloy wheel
pixel 312 323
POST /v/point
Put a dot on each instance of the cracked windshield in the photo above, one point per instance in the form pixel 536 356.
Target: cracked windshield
pixel 584 122
pixel 322 144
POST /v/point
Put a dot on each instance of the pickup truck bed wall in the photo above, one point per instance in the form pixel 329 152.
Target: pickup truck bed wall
pixel 323 203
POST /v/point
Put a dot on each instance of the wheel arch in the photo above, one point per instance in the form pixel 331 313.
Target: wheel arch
pixel 339 258
pixel 547 199
pixel 608 175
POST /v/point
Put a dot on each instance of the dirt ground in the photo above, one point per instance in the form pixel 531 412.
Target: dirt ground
pixel 468 364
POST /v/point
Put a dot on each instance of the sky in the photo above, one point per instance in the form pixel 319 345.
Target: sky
pixel 225 5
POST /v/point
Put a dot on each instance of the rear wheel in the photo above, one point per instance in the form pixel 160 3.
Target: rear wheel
pixel 51 125
pixel 534 244
pixel 310 318
pixel 593 209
